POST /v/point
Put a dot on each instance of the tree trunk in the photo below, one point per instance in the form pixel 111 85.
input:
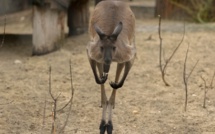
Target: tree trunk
pixel 48 29
pixel 78 17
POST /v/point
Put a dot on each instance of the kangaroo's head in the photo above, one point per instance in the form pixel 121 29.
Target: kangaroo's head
pixel 107 42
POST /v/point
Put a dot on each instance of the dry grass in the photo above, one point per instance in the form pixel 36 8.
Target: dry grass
pixel 143 106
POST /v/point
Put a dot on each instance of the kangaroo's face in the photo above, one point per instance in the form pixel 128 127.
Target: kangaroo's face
pixel 107 43
pixel 107 49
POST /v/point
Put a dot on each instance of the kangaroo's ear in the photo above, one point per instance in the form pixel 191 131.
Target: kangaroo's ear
pixel 116 31
pixel 102 36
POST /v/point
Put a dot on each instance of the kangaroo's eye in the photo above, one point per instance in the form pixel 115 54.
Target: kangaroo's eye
pixel 101 48
pixel 114 48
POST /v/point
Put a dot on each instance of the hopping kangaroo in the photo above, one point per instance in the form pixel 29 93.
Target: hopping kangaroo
pixel 111 29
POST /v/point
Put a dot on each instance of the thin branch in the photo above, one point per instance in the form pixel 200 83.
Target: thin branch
pixel 185 65
pixel 163 68
pixel 44 116
pixel 206 89
pixel 67 118
pixel 192 69
pixel 65 105
pixel 72 90
pixel 70 101
pixel 53 131
pixel 205 84
pixel 58 96
pixel 161 43
pixel 173 53
pixel 186 79
pixel 205 92
pixel 160 52
pixel 50 92
pixel 54 108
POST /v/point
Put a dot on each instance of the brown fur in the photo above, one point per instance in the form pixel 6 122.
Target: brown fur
pixel 111 32
pixel 106 16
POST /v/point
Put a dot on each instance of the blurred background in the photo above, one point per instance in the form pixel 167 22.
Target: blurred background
pixel 72 17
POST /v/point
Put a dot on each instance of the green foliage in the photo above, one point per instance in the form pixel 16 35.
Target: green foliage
pixel 200 10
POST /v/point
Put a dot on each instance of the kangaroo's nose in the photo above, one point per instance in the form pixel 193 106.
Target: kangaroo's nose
pixel 107 61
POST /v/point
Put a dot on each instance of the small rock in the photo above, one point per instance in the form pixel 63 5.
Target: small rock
pixel 135 112
pixel 193 95
pixel 17 61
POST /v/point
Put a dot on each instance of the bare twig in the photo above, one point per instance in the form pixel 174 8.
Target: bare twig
pixel 163 68
pixel 53 131
pixel 2 42
pixel 207 88
pixel 72 90
pixel 186 78
pixel 50 84
pixel 205 92
pixel 44 116
pixel 70 101
pixel 54 107
pixel 160 54
pixel 192 69
pixel 205 83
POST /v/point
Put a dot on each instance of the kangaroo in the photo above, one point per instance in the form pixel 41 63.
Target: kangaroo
pixel 112 39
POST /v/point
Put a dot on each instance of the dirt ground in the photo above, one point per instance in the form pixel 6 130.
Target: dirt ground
pixel 144 105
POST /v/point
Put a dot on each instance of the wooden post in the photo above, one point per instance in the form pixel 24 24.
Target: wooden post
pixel 48 29
pixel 78 17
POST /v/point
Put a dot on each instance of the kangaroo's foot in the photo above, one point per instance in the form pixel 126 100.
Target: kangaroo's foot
pixel 109 127
pixel 102 127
